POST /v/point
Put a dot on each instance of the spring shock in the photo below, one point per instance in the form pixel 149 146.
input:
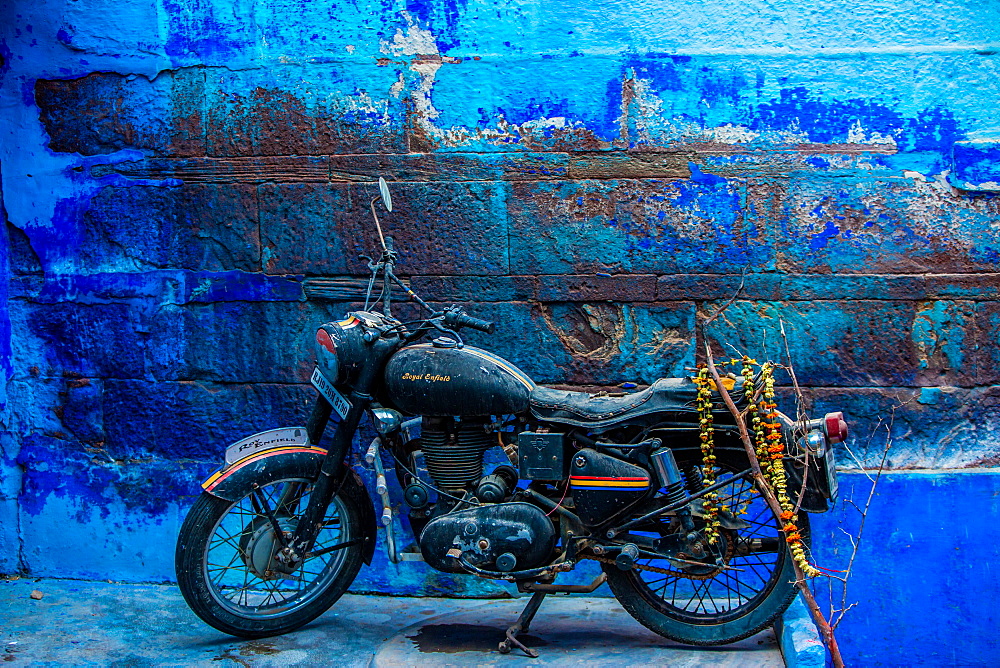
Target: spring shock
pixel 692 479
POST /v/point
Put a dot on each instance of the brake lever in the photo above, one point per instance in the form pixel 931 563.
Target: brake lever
pixel 458 339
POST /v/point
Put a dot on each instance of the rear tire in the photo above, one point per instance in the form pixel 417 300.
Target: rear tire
pixel 225 569
pixel 733 603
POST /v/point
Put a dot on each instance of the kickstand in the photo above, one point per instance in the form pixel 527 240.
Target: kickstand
pixel 522 624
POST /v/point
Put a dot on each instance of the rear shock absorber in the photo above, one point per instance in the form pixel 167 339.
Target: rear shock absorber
pixel 668 474
pixel 692 479
pixel 670 477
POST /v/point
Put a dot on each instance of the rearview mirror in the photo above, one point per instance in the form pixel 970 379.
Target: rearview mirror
pixel 383 188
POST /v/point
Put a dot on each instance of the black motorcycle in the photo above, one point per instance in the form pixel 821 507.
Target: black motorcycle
pixel 283 527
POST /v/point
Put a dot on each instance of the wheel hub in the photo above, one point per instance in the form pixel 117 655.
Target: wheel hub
pixel 260 548
pixel 702 559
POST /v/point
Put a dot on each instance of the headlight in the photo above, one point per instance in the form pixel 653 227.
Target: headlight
pixel 340 350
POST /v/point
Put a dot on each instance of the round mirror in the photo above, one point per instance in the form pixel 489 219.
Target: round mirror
pixel 383 188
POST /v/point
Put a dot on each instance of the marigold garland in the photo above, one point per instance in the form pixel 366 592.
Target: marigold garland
pixel 770 448
pixel 769 445
pixel 708 473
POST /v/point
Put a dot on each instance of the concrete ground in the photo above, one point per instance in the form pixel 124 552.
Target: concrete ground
pixel 78 622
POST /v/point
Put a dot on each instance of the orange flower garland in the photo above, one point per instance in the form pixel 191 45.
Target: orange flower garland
pixel 770 444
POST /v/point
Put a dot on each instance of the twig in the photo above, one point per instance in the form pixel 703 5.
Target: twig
pixel 736 295
pixel 768 494
pixel 856 540
pixel 799 415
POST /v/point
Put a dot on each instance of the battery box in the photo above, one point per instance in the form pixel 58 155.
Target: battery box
pixel 541 456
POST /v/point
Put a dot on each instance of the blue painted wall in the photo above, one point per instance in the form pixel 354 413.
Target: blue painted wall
pixel 177 178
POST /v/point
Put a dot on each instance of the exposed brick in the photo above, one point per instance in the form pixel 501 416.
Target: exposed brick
pixel 855 343
pixel 275 111
pixel 590 343
pixel 282 169
pixel 964 286
pixel 190 227
pixel 105 112
pixel 439 228
pixel 987 353
pixel 620 287
pixel 480 288
pixel 631 226
pixel 883 226
pixel 791 287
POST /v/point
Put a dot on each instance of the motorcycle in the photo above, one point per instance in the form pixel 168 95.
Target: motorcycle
pixel 282 528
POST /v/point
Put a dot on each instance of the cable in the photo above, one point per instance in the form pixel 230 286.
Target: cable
pixel 565 488
pixel 427 484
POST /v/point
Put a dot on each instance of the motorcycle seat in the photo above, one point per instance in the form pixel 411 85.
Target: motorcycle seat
pixel 667 395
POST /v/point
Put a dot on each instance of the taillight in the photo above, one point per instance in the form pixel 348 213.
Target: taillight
pixel 835 427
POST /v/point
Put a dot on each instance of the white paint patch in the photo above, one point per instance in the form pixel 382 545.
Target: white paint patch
pixel 732 134
pixel 646 109
pixel 415 41
pixel 857 135
pixel 397 88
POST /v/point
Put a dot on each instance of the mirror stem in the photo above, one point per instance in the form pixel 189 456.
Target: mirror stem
pixel 377 225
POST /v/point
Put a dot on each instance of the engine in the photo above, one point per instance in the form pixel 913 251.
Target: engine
pixel 495 537
pixel 453 450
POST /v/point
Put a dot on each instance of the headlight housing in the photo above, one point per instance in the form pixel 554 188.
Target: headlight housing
pixel 340 350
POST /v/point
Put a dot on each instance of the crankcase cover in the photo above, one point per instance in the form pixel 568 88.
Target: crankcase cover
pixel 483 533
pixel 428 380
pixel 602 485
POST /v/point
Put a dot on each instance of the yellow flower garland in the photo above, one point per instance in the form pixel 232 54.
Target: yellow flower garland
pixel 708 473
pixel 768 444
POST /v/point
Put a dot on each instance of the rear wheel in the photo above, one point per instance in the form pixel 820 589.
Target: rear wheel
pixel 226 568
pixel 695 601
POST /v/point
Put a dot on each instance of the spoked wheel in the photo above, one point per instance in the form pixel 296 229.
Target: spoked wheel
pixel 695 600
pixel 226 566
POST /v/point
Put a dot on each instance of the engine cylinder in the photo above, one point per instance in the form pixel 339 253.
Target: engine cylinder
pixel 453 451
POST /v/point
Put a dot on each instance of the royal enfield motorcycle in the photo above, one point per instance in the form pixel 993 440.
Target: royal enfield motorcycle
pixel 281 530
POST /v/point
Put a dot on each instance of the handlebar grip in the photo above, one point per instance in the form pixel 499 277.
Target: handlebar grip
pixel 459 319
pixel 481 325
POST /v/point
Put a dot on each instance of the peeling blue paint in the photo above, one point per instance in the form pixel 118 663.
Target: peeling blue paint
pixel 602 175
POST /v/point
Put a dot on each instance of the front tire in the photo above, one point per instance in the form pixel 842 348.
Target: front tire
pixel 225 566
pixel 707 606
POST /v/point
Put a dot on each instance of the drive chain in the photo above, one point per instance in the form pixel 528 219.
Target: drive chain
pixel 656 569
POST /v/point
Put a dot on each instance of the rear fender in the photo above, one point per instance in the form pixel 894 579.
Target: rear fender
pixel 235 481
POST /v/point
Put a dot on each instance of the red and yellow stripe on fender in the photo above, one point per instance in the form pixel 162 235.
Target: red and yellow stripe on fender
pixel 224 473
pixel 608 484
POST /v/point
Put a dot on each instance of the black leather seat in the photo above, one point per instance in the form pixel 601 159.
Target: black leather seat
pixel 667 395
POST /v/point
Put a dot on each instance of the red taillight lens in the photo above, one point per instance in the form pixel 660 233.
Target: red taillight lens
pixel 835 427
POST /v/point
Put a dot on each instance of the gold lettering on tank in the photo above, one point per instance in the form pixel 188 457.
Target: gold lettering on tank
pixel 427 377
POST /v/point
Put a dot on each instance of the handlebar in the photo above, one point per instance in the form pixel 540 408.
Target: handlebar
pixel 457 318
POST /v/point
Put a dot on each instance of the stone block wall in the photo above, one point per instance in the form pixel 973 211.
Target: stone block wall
pixel 184 190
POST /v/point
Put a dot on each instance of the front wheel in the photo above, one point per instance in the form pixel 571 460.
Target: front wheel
pixel 226 568
pixel 697 602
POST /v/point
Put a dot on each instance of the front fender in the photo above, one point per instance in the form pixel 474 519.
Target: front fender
pixel 235 481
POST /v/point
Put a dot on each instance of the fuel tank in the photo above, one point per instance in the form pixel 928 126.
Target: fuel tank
pixel 431 379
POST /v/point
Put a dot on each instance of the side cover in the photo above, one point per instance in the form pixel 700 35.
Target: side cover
pixel 602 485
pixel 234 481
